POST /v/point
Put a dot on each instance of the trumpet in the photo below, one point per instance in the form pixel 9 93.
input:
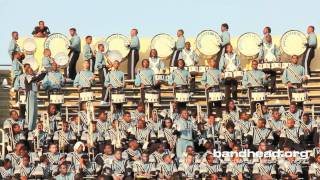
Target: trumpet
pixel 118 139
pixel 36 143
pixel 90 118
pixel 171 111
pixel 46 122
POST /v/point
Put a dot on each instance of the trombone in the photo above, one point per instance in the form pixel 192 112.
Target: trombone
pixel 90 118
pixel 46 122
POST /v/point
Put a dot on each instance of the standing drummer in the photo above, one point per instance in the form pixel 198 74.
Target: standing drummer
pixel 133 56
pixel 211 79
pixel 47 60
pixel 293 76
pixel 311 46
pixel 225 39
pixel 145 79
pixel 269 53
pixel 13 46
pixel 266 31
pixel 253 79
pixel 179 45
pixel 179 79
pixel 88 53
pixel 230 62
pixel 75 48
pixel 191 59
pixel 114 80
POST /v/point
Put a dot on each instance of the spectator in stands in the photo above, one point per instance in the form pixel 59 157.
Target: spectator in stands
pixel 41 31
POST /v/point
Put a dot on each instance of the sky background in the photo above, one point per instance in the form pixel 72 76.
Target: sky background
pixel 104 17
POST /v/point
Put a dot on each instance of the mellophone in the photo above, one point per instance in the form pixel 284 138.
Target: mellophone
pixel 275 66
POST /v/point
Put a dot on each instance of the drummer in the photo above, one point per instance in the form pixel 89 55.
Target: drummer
pixel 19 86
pixel 293 76
pixel 47 60
pixel 179 45
pixel 311 46
pixel 254 79
pixel 145 79
pixel 266 31
pixel 212 79
pixel 13 46
pixel 191 59
pixel 225 37
pixel 41 30
pixel 156 64
pixel 230 62
pixel 133 56
pixel 269 53
pixel 16 69
pixel 180 79
pixel 75 46
pixel 88 53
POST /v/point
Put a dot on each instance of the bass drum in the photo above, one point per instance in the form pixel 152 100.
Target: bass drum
pixel 164 44
pixel 29 46
pixel 293 42
pixel 249 44
pixel 207 42
pixel 62 59
pixel 32 61
pixel 57 43
pixel 120 43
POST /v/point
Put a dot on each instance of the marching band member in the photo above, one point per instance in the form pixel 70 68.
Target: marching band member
pixel 64 174
pixel 83 115
pixel 264 169
pixel 115 135
pixel 75 47
pixel 237 168
pixel 293 112
pixel 114 80
pixel 85 78
pixel 145 79
pixel 156 64
pixel 119 168
pixel 210 168
pixel 266 31
pixel 262 112
pixel 230 62
pixel 244 125
pixel 54 116
pixel 103 122
pixel 138 113
pixel 86 168
pixel 225 37
pixel 259 133
pixel 290 169
pixel 167 169
pixel 14 119
pixel 167 134
pixel 179 45
pixel 47 60
pixel 16 69
pixel 125 123
pixel 270 53
pixel 144 136
pixel 54 80
pixel 92 140
pixel 229 136
pixel 311 46
pixel 54 157
pixel 25 169
pixel 293 76
pixel 6 171
pixel 78 126
pixel 64 137
pixel 106 157
pixel 16 156
pixel 41 30
pixel 160 151
pixel 17 135
pixel 189 169
pixel 292 136
pixel 232 112
pixel 211 80
pixel 13 46
pixel 314 169
pixel 190 150
pixel 20 87
pixel 254 79
pixel 276 125
pixel 38 139
pixel 185 128
pixel 143 168
pixel 133 56
pixel 88 53
pixel 74 157
pixel 309 127
pixel 212 129
pixel 100 66
pixel 133 152
pixel 179 79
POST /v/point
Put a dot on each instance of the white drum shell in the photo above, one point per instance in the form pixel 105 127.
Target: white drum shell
pixel 258 96
pixel 56 98
pixel 118 98
pixel 164 44
pixel 161 77
pixel 238 75
pixel 248 44
pixel 266 66
pixel 193 69
pixel 276 66
pixel 87 96
pixel 203 69
pixel 228 75
pixel 216 96
pixel 299 96
pixel 152 97
pixel 182 97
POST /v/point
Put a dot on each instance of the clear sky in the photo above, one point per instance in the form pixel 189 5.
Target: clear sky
pixel 104 17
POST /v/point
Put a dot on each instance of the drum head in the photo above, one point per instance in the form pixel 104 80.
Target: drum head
pixel 118 42
pixel 61 58
pixel 105 44
pixel 207 42
pixel 248 44
pixel 114 56
pixel 29 45
pixel 57 43
pixel 32 61
pixel 293 42
pixel 164 44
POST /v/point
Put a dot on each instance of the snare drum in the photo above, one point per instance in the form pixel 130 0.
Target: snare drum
pixel 56 98
pixel 182 96
pixel 258 95
pixel 193 69
pixel 152 96
pixel 118 98
pixel 228 75
pixel 161 77
pixel 203 69
pixel 266 66
pixel 215 96
pixel 260 66
pixel 86 96
pixel 276 66
pixel 299 95
pixel 284 65
pixel 238 75
pixel 22 97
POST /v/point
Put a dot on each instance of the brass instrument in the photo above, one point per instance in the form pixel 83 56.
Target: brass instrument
pixel 118 139
pixel 2 144
pixel 90 118
pixel 46 122
pixel 171 111
pixel 199 110
pixel 36 142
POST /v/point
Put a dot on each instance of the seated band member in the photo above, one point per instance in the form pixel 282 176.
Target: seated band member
pixel 85 78
pixel 74 53
pixel 262 112
pixel 314 169
pixel 119 168
pixel 64 137
pixel 38 138
pixel 156 64
pixel 254 79
pixel 41 30
pixel 264 169
pixel 230 62
pixel 92 140
pixel 191 59
pixel 276 125
pixel 237 168
pixel 258 134
pixel 55 158
pixel 143 168
pixel 25 169
pixel 210 168
pixel 189 169
pixel 144 136
pixel 15 157
pixel 115 135
pixel 293 112
pixel 232 112
pixel 6 171
pixel 212 79
pixel 86 168
pixel 145 79
pixel 290 169
pixel 133 56
pixel 212 128
pixel 47 60
pixel 74 157
pixel 229 136
pixel 293 76
pixel 114 81
pixel 14 136
pixel 179 45
pixel 269 53
pixel 105 157
pixel 88 53
pixel 309 53
pixel 64 172
pixel 167 134
pixel 167 169
pixel 13 46
pixel 13 119
pixel 180 80
pixel 292 136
